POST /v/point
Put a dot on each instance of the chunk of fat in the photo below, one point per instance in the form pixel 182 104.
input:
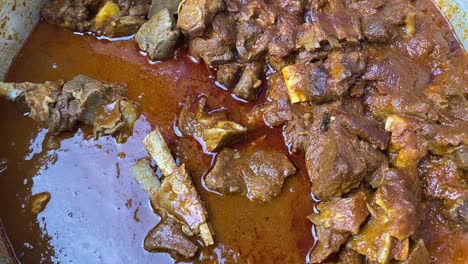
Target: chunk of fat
pixel 106 12
pixel 145 176
pixel 160 152
pixel 292 75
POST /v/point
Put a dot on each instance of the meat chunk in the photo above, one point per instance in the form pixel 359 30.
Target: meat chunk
pixel 227 74
pixel 443 180
pixel 120 26
pixel 167 236
pixel 214 51
pixel 377 245
pixel 195 15
pixel 258 174
pixel 400 213
pixel 177 198
pixel 214 129
pixel 71 15
pixel 366 129
pixel 158 37
pixel 323 82
pixel 250 82
pixel 251 41
pixel 274 113
pixel 342 214
pixel 329 242
pixel 337 162
pixel 60 105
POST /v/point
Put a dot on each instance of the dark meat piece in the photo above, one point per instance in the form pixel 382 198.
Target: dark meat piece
pixel 329 242
pixel 224 25
pixel 375 29
pixel 227 74
pixel 366 129
pixel 258 174
pixel 297 130
pixel 167 236
pixel 72 15
pixel 400 213
pixel 342 214
pixel 322 82
pixel 274 113
pixel 59 106
pixel 250 82
pixel 214 51
pixel 337 162
pixel 442 179
pixel 214 128
pixel 283 38
pixel 158 37
pixel 195 15
pixel 251 41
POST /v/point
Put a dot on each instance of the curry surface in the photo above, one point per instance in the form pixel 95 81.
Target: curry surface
pixel 98 213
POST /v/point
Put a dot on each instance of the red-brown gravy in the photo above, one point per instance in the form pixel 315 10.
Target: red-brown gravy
pixel 98 213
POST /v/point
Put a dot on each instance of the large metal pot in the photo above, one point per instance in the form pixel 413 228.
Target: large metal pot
pixel 22 15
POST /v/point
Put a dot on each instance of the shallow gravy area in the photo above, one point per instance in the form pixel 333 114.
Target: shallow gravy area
pixel 98 213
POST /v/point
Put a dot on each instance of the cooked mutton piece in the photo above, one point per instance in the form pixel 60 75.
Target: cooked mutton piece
pixel 214 129
pixel 60 105
pixel 176 198
pixel 342 214
pixel 158 37
pixel 108 18
pixel 258 174
pixel 167 236
pixel 330 241
pixel 323 81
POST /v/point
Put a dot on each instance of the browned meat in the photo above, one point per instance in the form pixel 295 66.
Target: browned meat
pixel 251 41
pixel 60 105
pixel 411 138
pixel 167 236
pixel 401 213
pixel 105 18
pixel 224 25
pixel 176 198
pixel 366 129
pixel 342 214
pixel 283 39
pixel 329 242
pixel 195 15
pixel 214 129
pixel 158 37
pixel 377 245
pixel 274 113
pixel 297 135
pixel 337 162
pixel 213 50
pixel 72 15
pixel 443 180
pixel 249 82
pixel 227 74
pixel 321 82
pixel 258 174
